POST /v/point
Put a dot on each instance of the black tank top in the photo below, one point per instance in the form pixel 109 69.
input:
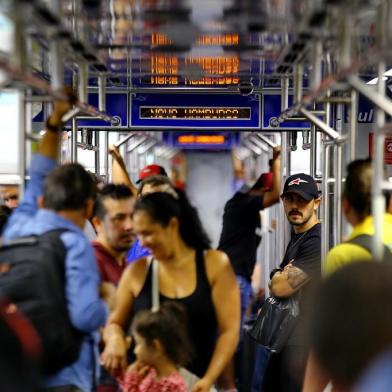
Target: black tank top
pixel 201 315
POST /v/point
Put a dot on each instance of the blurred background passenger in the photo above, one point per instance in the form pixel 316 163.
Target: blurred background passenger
pixel 10 195
pixel 5 213
pixel 356 205
pixel 351 327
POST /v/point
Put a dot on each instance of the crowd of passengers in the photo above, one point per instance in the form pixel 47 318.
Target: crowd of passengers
pixel 157 309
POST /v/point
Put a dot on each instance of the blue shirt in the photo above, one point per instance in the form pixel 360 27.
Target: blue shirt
pixel 86 310
pixel 137 252
pixel 378 376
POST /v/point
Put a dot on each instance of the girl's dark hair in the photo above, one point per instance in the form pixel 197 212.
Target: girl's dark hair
pixel 162 207
pixel 168 325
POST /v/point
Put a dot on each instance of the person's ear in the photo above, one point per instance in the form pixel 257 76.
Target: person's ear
pixel 317 203
pixel 97 223
pixel 89 208
pixel 157 347
pixel 40 202
pixel 345 206
pixel 174 224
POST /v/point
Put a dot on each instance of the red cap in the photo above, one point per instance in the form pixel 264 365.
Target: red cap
pixel 266 179
pixel 151 170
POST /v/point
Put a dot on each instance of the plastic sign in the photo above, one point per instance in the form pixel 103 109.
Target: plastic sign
pixel 191 111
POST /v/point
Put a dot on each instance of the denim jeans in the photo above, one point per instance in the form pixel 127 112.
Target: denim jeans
pixel 246 294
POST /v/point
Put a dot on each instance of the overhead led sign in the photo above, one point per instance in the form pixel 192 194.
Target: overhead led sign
pixel 190 111
pixel 201 140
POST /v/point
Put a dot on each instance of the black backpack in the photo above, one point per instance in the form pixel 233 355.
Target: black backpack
pixel 32 276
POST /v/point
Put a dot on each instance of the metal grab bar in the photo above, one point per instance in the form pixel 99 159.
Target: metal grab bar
pixel 39 84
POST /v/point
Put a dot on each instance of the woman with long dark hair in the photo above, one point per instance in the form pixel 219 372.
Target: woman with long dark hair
pixel 189 272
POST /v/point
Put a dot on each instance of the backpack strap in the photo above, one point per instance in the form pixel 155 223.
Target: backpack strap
pixel 365 241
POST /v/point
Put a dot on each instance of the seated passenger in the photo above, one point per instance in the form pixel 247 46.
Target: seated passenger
pixel 189 273
pixel 66 195
pixel 352 326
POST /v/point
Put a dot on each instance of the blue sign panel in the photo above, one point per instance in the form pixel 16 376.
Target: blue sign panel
pixel 201 140
pixel 272 110
pixel 187 111
pixel 116 105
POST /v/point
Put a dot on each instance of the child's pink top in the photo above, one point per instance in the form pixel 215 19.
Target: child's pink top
pixel 133 382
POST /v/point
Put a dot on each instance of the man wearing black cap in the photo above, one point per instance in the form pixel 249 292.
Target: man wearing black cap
pixel 301 264
pixel 240 237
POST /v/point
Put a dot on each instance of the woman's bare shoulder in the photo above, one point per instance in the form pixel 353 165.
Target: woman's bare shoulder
pixel 135 274
pixel 216 262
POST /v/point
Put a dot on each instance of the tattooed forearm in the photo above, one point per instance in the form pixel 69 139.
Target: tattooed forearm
pixel 296 277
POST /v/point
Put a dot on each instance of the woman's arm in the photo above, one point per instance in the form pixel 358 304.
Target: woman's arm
pixel 113 357
pixel 226 299
pixel 315 379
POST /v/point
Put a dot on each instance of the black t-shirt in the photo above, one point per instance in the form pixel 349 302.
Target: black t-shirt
pixel 240 235
pixel 305 251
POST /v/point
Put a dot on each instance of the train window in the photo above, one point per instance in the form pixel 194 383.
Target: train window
pixel 9 129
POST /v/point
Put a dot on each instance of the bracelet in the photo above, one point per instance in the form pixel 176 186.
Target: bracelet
pixel 50 127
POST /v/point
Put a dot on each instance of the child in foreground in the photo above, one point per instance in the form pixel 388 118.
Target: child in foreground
pixel 162 346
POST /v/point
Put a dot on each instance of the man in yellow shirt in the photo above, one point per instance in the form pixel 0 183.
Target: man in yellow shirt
pixel 356 205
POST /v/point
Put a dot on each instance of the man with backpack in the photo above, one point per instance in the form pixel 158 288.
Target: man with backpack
pixel 356 206
pixel 60 295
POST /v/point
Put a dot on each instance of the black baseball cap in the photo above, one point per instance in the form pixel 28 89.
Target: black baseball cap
pixel 303 185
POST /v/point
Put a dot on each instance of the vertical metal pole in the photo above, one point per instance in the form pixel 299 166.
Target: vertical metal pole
pixel 56 58
pixel 285 172
pixel 378 202
pixel 317 53
pixel 353 124
pixel 325 204
pixel 313 150
pixel 284 93
pixel 102 108
pixel 298 77
pixel 83 81
pixel 22 142
pixel 74 139
pixel 338 194
pixel 326 163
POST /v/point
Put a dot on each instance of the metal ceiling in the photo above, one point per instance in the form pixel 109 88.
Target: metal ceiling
pixel 210 43
pixel 196 43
